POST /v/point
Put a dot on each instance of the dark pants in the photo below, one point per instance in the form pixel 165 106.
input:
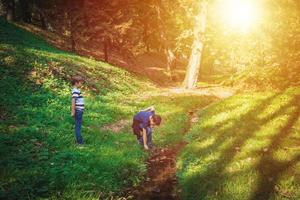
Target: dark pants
pixel 149 137
pixel 78 122
pixel 137 131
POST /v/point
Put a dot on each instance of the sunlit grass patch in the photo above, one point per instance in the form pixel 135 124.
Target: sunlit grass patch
pixel 242 147
pixel 38 156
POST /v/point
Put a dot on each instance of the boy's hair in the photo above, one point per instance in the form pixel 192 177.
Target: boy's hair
pixel 76 79
pixel 157 119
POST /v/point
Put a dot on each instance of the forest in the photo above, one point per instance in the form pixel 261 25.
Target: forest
pixel 223 75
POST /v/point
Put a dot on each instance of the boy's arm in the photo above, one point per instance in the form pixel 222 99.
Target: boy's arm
pixel 151 108
pixel 144 134
pixel 73 107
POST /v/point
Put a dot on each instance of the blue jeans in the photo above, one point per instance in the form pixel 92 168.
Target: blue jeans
pixel 78 121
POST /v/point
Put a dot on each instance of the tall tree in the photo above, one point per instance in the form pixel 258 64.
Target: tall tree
pixel 164 39
pixel 10 10
pixel 193 67
pixel 71 11
pixel 25 11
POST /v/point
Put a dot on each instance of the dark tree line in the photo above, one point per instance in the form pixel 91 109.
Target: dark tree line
pixel 130 26
pixel 169 28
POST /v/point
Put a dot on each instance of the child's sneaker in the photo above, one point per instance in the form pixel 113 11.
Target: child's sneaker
pixel 80 146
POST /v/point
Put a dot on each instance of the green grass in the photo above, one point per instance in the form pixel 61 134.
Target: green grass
pixel 245 147
pixel 175 110
pixel 38 156
pixel 39 159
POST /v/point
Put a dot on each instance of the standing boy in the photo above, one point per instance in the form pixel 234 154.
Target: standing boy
pixel 142 125
pixel 77 106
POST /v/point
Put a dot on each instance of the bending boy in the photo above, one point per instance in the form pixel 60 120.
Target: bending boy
pixel 142 125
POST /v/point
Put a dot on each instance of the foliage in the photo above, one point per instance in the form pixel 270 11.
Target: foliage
pixel 272 44
pixel 128 29
pixel 278 78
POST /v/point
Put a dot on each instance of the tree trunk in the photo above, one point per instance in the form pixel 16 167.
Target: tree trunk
pixel 85 13
pixel 10 10
pixel 43 21
pixel 71 10
pixel 170 62
pixel 105 49
pixel 73 44
pixel 40 9
pixel 72 39
pixel 26 13
pixel 193 67
pixel 169 54
pixel 146 36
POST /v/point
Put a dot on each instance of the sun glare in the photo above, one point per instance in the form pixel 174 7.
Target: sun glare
pixel 239 14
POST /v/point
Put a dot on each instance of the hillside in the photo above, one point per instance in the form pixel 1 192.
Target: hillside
pixel 38 156
pixel 151 65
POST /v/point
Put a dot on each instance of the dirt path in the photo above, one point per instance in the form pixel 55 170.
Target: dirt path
pixel 161 175
pixel 117 126
pixel 161 180
pixel 216 91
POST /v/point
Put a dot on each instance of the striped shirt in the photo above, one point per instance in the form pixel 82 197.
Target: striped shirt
pixel 79 101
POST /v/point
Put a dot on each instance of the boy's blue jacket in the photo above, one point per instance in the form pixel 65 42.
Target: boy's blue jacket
pixel 143 118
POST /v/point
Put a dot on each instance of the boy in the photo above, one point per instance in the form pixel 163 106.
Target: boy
pixel 142 125
pixel 77 106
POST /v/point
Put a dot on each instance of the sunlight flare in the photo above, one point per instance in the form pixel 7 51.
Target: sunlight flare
pixel 240 14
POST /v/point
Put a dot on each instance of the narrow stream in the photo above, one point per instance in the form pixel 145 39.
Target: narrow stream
pixel 161 181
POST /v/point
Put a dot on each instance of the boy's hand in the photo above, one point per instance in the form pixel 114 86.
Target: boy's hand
pixel 72 113
pixel 146 147
pixel 152 108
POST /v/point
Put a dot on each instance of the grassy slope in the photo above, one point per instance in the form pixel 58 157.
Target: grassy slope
pixel 38 155
pixel 37 151
pixel 245 147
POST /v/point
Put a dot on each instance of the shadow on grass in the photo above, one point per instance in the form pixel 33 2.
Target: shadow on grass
pixel 230 135
pixel 269 168
pixel 24 145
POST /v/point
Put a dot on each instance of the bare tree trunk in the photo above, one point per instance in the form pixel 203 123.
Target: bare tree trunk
pixel 85 15
pixel 146 36
pixel 40 9
pixel 72 39
pixel 71 10
pixel 193 67
pixel 73 44
pixel 26 12
pixel 10 10
pixel 43 21
pixel 169 54
pixel 105 49
pixel 170 62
